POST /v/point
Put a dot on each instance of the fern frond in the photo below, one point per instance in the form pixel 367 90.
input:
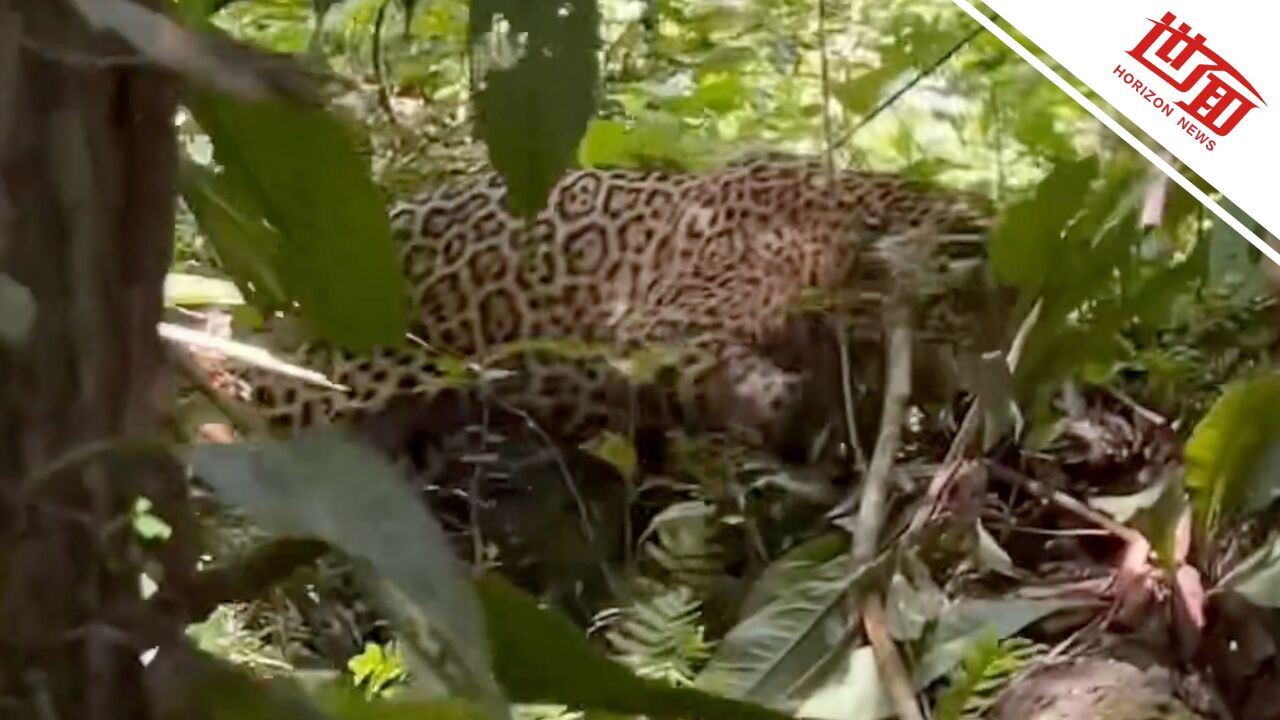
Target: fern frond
pixel 661 636
pixel 985 671
pixel 680 540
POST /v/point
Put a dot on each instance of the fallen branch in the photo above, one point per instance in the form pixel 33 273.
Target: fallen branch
pixel 894 675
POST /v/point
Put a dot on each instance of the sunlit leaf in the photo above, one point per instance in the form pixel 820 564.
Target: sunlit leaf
pixel 861 94
pixel 1029 235
pixel 535 70
pixel 720 92
pixel 298 164
pixel 185 289
pixel 606 143
pixel 1232 460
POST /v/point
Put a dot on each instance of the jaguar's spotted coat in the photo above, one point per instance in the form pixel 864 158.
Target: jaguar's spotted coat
pixel 709 264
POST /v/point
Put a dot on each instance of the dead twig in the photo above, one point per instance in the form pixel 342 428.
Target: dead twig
pixel 1064 501
pixel 846 388
pixel 897 394
pixel 897 681
pixel 897 325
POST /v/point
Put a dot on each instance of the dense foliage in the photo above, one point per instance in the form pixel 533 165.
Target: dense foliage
pixel 1142 327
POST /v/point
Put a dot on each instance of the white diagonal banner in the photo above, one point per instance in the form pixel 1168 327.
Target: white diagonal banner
pixel 1200 79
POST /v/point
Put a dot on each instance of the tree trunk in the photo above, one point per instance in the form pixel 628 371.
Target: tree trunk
pixel 87 163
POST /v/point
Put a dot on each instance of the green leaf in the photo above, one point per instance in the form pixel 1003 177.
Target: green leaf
pixel 797 565
pixel 299 165
pixel 535 69
pixel 720 92
pixel 968 623
pixel 540 657
pixel 617 451
pixel 605 144
pixel 763 656
pixel 377 668
pixel 861 94
pixel 1257 577
pixel 246 245
pixel 987 670
pixel 322 485
pixel 1232 458
pixel 146 524
pixel 1028 238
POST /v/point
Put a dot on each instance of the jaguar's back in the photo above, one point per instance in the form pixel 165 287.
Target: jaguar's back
pixel 709 263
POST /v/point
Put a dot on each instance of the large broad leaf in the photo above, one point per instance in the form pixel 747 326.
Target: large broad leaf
pixel 765 656
pixel 248 248
pixel 535 70
pixel 1028 237
pixel 1233 456
pixel 299 165
pixel 966 624
pixel 325 486
pixel 540 657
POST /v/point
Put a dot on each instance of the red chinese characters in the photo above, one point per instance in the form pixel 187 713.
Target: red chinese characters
pixel 1222 96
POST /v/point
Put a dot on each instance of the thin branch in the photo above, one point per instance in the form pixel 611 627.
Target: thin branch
pixel 897 681
pixel 897 394
pixel 897 322
pixel 846 389
pixel 897 94
pixel 1066 502
pixel 825 64
pixel 379 69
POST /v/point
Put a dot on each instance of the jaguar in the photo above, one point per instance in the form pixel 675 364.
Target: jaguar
pixel 709 266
